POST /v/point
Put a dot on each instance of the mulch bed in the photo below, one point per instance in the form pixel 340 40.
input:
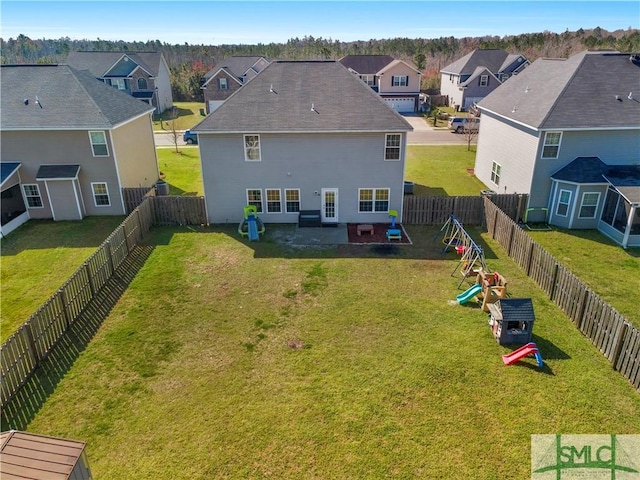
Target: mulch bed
pixel 379 234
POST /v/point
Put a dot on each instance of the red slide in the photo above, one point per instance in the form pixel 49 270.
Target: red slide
pixel 529 349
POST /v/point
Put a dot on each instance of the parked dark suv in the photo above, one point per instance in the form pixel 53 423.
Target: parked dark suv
pixel 190 138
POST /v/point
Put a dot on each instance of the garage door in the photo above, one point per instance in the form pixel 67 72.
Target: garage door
pixel 403 105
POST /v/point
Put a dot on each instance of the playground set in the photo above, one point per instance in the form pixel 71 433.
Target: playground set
pixel 393 232
pixel 251 226
pixel 510 319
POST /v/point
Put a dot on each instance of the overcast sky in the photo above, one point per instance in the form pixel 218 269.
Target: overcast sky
pixel 250 22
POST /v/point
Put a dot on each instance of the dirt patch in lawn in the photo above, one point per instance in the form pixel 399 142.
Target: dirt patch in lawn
pixel 379 234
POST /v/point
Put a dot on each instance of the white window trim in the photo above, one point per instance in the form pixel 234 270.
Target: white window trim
pixel 93 192
pixel 244 146
pixel 386 137
pixel 568 203
pixel 106 144
pixel 246 196
pixel 494 174
pixel 223 84
pixel 145 82
pixel 266 199
pixel 286 209
pixel 373 200
pixel 597 205
pixel 26 197
pixel 545 144
pixel 396 82
pixel 119 82
pixel 484 80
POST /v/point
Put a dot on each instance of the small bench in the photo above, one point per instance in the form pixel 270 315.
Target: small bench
pixel 309 218
pixel 364 228
pixel 394 234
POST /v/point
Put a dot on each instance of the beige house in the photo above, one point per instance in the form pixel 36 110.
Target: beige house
pixel 69 144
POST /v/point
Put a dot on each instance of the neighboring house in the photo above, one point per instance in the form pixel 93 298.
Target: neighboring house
pixel 228 77
pixel 143 75
pixel 396 81
pixel 69 144
pixel 287 144
pixel 474 76
pixel 567 132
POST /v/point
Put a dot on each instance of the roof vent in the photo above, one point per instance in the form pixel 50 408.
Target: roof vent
pixel 630 97
pixel 26 101
pixel 40 104
pixel 271 90
pixel 313 108
pixel 618 98
pixel 635 59
pixel 514 109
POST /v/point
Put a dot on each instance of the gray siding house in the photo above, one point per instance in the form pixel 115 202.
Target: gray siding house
pixel 567 132
pixel 143 75
pixel 474 76
pixel 284 144
pixel 69 144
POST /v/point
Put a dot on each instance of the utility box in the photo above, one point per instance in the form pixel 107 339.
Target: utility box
pixel 408 188
pixel 511 320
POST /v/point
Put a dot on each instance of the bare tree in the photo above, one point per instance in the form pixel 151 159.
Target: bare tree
pixel 172 123
pixel 470 134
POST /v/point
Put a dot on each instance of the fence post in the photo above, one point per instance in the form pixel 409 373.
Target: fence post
pixel 618 342
pixel 107 245
pixel 530 259
pixel 90 277
pixel 495 223
pixel 511 235
pixel 32 344
pixel 554 279
pixel 63 301
pixel 582 304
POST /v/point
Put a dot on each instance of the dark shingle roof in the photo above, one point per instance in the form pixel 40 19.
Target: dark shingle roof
pixel 578 92
pixel 7 169
pixel 341 101
pixel 516 309
pixel 99 63
pixel 626 180
pixel 582 170
pixel 366 64
pixel 494 60
pixel 69 99
pixel 236 65
pixel 57 172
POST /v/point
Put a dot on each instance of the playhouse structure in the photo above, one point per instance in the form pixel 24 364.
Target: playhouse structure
pixel 494 288
pixel 511 320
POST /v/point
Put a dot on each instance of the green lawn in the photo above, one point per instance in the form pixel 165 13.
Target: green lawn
pixel 442 170
pixel 188 115
pixel 231 359
pixel 181 170
pixel 607 269
pixel 38 258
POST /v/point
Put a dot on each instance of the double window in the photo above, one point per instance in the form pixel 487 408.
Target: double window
pixel 369 79
pixel 392 146
pixel 589 205
pixel 495 173
pixel 252 148
pixel 399 81
pixel 99 144
pixel 32 195
pixel 551 144
pixel 373 200
pixel 119 83
pixel 100 194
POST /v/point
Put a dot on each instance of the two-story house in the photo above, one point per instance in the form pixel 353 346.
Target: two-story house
pixel 143 75
pixel 284 144
pixel 396 81
pixel 474 76
pixel 567 132
pixel 229 76
pixel 69 144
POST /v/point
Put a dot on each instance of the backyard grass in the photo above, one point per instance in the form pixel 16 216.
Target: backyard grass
pixel 605 267
pixel 181 170
pixel 188 116
pixel 38 258
pixel 230 359
pixel 442 170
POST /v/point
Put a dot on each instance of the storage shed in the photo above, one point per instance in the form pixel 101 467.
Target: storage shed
pixel 511 320
pixel 29 456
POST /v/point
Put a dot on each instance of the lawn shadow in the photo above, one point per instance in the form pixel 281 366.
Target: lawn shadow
pixel 419 190
pixel 23 407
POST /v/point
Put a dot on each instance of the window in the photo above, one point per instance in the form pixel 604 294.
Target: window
pixel 32 194
pixel 142 84
pixel 222 83
pixel 495 173
pixel 484 80
pixel 254 197
pixel 392 146
pixel 292 199
pixel 551 144
pixel 373 200
pixel 100 194
pixel 252 148
pixel 563 203
pixel 368 79
pixel 274 205
pixel 99 144
pixel 399 81
pixel 589 205
pixel 119 83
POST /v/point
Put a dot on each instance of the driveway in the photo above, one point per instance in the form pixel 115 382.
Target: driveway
pixel 423 134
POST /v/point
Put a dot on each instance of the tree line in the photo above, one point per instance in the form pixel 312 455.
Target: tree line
pixel 189 63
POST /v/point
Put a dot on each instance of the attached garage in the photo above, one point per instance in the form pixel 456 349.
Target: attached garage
pixel 401 104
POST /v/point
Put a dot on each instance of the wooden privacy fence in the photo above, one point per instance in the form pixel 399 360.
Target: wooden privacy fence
pixel 135 196
pixel 433 210
pixel 607 329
